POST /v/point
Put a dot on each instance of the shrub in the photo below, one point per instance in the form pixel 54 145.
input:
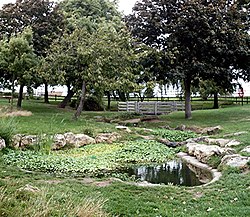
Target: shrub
pixel 93 104
pixel 174 135
pixel 7 130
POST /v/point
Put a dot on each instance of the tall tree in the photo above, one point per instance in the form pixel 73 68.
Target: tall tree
pixel 42 16
pixel 93 61
pixel 87 15
pixel 208 39
pixel 17 57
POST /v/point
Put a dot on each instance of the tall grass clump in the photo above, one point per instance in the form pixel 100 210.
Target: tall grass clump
pixel 25 203
pixel 7 130
pixel 90 207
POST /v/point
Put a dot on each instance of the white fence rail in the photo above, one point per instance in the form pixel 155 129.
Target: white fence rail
pixel 150 107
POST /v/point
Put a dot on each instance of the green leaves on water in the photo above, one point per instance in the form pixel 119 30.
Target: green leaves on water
pixel 92 159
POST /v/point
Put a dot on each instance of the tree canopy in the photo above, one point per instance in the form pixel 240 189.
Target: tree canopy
pixel 201 39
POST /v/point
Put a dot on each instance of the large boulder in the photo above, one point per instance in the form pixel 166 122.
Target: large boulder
pixel 107 137
pixel 204 152
pixel 81 140
pixel 29 140
pixel 21 140
pixel 75 140
pixel 16 140
pixel 2 143
pixel 235 160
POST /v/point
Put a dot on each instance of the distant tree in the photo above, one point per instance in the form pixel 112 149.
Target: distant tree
pixel 42 16
pixel 17 58
pixel 202 39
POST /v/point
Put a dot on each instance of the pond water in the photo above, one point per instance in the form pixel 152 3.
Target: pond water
pixel 175 172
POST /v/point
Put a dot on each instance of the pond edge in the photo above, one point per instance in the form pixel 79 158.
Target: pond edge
pixel 216 175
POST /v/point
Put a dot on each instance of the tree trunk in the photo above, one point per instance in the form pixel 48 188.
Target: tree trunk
pixel 122 96
pixel 46 93
pixel 216 101
pixel 67 98
pixel 187 84
pixel 109 100
pixel 20 97
pixel 12 91
pixel 81 103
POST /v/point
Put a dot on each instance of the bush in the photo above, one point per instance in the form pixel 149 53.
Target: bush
pixel 90 104
pixel 174 135
pixel 93 104
pixel 7 130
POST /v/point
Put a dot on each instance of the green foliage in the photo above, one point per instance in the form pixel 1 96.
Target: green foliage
pixel 174 135
pixel 214 161
pixel 228 170
pixel 43 144
pixel 92 159
pixel 92 103
pixel 193 40
pixel 7 130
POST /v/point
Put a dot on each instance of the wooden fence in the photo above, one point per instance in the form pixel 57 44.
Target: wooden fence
pixel 150 107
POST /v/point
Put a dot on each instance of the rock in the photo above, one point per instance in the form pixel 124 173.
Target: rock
pixel 235 160
pixel 222 142
pixel 219 142
pixel 211 130
pixel 181 127
pixel 2 143
pixel 123 128
pixel 29 188
pixel 133 122
pixel 246 149
pixel 28 140
pixel 193 163
pixel 194 129
pixel 81 140
pixel 59 141
pixel 16 140
pixel 233 143
pixel 69 138
pixel 107 137
pixel 147 130
pixel 170 144
pixel 235 134
pixel 198 139
pixel 204 152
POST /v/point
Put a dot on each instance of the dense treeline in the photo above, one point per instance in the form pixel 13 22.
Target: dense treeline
pixel 89 47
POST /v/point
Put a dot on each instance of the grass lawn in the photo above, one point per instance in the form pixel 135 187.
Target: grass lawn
pixel 59 194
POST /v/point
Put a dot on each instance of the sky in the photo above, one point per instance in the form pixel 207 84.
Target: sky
pixel 124 5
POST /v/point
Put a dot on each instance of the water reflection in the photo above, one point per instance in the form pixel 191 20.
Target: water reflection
pixel 175 172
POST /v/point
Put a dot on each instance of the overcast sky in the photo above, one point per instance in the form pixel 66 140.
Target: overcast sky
pixel 124 5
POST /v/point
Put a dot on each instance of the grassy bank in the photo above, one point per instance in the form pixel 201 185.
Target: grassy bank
pixel 55 194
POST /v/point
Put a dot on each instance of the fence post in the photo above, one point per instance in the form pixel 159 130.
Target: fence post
pixel 127 106
pixel 155 107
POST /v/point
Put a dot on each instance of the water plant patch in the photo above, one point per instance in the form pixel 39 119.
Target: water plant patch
pixel 92 159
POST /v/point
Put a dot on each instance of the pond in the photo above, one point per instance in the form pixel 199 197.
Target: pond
pixel 174 172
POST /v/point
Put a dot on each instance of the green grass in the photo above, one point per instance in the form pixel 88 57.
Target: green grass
pixel 60 195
